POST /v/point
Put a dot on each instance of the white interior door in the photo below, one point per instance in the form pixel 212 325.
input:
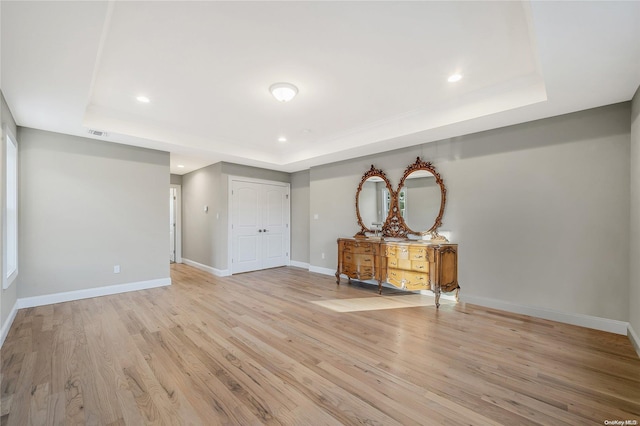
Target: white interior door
pixel 246 221
pixel 259 226
pixel 275 220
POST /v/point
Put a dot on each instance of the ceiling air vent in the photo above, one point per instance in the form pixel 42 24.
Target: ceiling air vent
pixel 98 133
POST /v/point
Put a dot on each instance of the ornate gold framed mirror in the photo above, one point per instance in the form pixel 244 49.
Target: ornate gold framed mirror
pixel 415 208
pixel 374 198
pixel 421 198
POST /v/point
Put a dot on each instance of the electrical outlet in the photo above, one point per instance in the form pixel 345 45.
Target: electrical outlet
pixel 116 269
pixel 323 255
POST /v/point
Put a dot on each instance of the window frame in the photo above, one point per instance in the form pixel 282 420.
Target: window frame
pixel 10 201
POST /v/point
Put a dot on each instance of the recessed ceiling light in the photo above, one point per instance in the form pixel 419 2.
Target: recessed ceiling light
pixel 181 166
pixel 282 139
pixel 454 77
pixel 283 92
pixel 143 99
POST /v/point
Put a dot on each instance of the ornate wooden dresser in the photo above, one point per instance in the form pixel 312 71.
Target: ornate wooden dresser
pixel 409 265
pixel 383 250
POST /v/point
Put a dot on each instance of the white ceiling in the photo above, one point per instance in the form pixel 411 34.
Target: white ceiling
pixel 372 76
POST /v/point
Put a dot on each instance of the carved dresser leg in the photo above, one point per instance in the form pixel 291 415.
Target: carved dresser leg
pixel 338 277
pixel 458 294
pixel 437 292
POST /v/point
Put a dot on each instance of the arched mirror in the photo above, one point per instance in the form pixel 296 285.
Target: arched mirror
pixel 373 200
pixel 421 198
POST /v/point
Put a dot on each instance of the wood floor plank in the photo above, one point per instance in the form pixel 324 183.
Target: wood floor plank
pixel 253 349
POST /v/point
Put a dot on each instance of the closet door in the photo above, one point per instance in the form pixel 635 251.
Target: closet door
pixel 275 217
pixel 259 226
pixel 246 220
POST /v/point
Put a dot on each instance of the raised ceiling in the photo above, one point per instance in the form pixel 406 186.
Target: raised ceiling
pixel 372 76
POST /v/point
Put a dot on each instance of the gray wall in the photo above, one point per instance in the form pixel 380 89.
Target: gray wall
pixel 200 229
pixel 634 290
pixel 80 215
pixel 175 179
pixel 9 296
pixel 540 210
pixel 204 234
pixel 300 216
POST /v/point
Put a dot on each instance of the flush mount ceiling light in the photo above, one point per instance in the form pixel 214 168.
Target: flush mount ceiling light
pixel 181 166
pixel 283 92
pixel 143 99
pixel 282 139
pixel 454 77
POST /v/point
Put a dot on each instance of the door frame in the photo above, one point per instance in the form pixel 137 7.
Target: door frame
pixel 178 229
pixel 230 181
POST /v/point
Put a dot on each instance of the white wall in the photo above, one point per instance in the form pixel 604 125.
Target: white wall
pixel 540 210
pixel 85 206
pixel 634 290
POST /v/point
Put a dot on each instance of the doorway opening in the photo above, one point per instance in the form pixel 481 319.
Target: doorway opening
pixel 175 237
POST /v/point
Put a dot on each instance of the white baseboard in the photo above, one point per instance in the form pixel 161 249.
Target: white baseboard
pixel 206 268
pixel 635 341
pixel 7 324
pixel 597 323
pixel 323 271
pixel 67 296
pixel 297 264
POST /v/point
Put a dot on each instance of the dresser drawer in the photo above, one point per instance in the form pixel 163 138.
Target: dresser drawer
pixel 417 286
pixel 404 264
pixel 390 251
pixel 419 266
pixel 349 269
pixel 394 276
pixel 365 275
pixel 416 278
pixel 418 253
pixel 363 259
pixel 357 247
pixel 363 248
pixel 402 252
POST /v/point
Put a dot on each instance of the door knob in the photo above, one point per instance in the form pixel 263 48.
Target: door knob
pixel 259 230
pixel 265 230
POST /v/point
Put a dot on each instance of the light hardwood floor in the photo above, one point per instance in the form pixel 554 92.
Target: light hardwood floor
pixel 253 349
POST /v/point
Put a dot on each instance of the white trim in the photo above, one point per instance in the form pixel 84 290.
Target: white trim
pixel 597 323
pixel 7 324
pixel 635 341
pixel 48 299
pixel 297 264
pixel 206 268
pixel 178 221
pixel 321 270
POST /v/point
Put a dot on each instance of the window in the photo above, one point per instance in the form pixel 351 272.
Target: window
pixel 10 216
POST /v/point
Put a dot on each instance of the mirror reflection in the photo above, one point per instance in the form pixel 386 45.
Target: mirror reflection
pixel 373 203
pixel 419 201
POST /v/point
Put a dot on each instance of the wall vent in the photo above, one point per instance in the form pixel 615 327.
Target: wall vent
pixel 98 133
